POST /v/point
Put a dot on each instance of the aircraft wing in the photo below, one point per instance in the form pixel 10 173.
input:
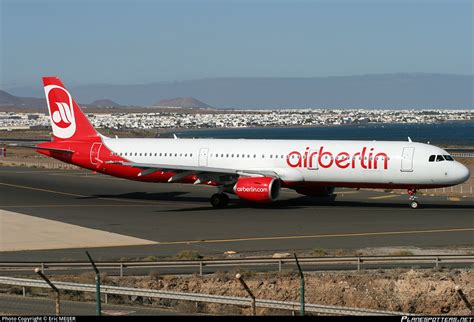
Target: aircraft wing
pixel 194 170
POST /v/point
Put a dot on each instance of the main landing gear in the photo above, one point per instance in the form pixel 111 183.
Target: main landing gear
pixel 412 197
pixel 219 200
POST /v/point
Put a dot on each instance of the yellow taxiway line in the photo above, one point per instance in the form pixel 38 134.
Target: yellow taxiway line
pixel 143 202
pixel 366 234
pixel 384 197
pixel 42 190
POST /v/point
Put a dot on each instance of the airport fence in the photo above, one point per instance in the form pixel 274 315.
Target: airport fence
pixel 462 154
pixel 41 163
pixel 461 189
pixel 193 297
pixel 256 264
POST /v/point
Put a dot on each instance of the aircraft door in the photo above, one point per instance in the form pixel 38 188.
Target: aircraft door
pixel 95 152
pixel 407 159
pixel 203 153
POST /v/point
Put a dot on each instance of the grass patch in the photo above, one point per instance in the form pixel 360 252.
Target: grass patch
pixel 318 252
pixel 344 252
pixel 401 253
pixel 189 255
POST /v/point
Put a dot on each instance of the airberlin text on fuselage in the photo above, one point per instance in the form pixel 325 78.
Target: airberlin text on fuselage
pixel 365 159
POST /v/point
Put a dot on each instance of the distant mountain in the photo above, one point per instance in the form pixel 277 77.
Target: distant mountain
pixel 104 103
pixel 184 102
pixel 7 99
pixel 365 91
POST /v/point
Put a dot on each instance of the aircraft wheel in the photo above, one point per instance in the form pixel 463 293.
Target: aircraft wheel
pixel 414 204
pixel 219 200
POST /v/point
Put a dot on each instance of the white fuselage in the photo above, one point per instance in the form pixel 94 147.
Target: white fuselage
pixel 329 162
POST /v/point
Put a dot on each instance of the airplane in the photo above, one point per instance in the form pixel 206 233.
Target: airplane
pixel 253 170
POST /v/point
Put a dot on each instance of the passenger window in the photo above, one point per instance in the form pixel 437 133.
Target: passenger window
pixel 432 158
pixel 439 158
pixel 448 158
pixel 254 156
pixel 191 155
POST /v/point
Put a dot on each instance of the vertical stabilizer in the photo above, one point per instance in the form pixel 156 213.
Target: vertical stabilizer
pixel 67 119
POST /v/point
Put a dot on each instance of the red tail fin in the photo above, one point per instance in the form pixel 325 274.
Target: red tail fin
pixel 67 119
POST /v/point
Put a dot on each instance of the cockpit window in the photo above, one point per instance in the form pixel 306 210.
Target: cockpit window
pixel 432 158
pixel 439 158
pixel 448 158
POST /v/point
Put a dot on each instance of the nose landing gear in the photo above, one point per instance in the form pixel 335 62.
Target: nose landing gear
pixel 412 197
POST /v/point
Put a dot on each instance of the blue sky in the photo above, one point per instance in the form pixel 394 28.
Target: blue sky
pixel 125 42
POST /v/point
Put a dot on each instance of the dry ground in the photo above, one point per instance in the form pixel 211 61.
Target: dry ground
pixel 410 291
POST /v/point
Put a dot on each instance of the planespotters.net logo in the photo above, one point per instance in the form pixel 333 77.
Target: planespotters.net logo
pixel 61 111
pixel 437 319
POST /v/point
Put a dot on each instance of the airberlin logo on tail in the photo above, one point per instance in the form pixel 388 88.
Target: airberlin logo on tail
pixel 365 159
pixel 61 111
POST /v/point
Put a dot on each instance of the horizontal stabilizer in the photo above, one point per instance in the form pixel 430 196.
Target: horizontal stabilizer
pixel 49 149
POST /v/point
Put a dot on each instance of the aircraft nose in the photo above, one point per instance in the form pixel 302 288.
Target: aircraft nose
pixel 462 173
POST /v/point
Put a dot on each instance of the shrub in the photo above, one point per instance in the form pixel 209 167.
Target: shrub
pixel 150 258
pixel 318 252
pixel 401 253
pixel 189 255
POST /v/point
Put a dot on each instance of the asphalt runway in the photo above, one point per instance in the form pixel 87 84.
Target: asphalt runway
pixel 179 217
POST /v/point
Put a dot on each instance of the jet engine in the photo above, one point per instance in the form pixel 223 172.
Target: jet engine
pixel 258 189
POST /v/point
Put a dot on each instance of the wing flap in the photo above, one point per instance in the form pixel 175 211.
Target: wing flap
pixel 195 169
